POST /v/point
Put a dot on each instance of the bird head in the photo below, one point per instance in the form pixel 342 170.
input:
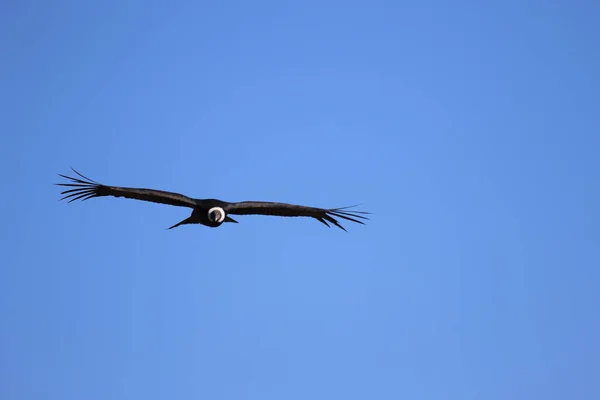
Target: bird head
pixel 216 215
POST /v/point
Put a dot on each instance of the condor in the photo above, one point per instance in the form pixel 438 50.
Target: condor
pixel 208 212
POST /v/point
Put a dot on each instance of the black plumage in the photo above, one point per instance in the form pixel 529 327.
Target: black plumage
pixel 208 212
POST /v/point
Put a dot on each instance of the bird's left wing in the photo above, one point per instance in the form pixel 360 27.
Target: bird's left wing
pixel 323 215
pixel 84 188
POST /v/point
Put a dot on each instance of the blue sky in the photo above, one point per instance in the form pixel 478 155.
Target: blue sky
pixel 469 130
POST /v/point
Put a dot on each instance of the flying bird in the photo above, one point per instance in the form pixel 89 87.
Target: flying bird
pixel 209 212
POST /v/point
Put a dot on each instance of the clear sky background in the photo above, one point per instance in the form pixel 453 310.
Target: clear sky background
pixel 470 130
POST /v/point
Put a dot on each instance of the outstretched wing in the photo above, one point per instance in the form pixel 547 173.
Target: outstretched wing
pixel 292 210
pixel 84 188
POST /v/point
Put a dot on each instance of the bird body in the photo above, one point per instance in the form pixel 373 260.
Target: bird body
pixel 208 212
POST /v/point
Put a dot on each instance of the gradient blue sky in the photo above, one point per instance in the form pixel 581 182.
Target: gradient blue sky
pixel 471 131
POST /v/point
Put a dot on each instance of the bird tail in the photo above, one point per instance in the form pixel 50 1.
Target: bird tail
pixel 185 221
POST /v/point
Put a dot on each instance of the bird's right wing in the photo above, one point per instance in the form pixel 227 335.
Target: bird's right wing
pixel 83 188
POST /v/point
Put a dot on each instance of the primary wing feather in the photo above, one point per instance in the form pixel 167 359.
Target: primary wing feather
pixel 322 215
pixel 84 188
